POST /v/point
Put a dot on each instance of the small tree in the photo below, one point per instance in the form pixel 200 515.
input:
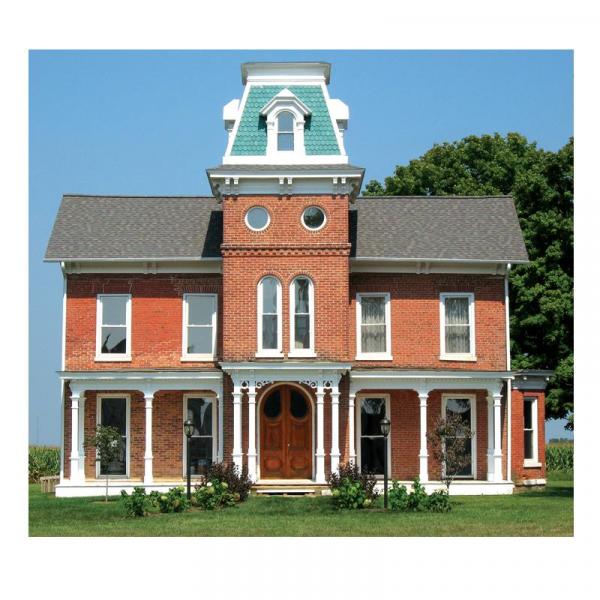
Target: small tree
pixel 450 448
pixel 107 441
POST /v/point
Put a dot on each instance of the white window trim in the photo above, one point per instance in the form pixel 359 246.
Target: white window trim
pixel 470 356
pixel 387 355
pixel 535 460
pixel 127 397
pixel 112 357
pixel 358 427
pixel 215 446
pixel 306 352
pixel 270 352
pixel 473 399
pixel 315 228
pixel 257 228
pixel 184 337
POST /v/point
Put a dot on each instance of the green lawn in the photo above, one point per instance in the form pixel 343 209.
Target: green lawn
pixel 531 513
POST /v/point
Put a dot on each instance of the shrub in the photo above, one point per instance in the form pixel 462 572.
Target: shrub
pixel 214 494
pixel 352 473
pixel 398 497
pixel 44 461
pixel 417 500
pixel 560 457
pixel 137 503
pixel 237 481
pixel 350 494
pixel 439 501
pixel 173 501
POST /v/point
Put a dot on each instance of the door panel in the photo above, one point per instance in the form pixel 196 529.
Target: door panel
pixel 286 435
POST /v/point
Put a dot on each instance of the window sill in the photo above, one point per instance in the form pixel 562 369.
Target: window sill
pixel 302 354
pixel 198 358
pixel 459 357
pixel 112 358
pixel 374 356
pixel 269 354
pixel 532 464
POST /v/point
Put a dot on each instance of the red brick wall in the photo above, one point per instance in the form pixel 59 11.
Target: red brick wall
pixel 156 318
pixel 519 470
pixel 415 308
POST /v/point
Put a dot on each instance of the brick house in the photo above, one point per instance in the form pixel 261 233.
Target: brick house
pixel 285 315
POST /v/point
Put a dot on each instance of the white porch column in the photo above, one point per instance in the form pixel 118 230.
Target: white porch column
pixel 490 442
pixel 335 428
pixel 237 426
pixel 148 456
pixel 320 453
pixel 252 431
pixel 423 454
pixel 497 437
pixel 82 438
pixel 351 433
pixel 221 432
pixel 77 397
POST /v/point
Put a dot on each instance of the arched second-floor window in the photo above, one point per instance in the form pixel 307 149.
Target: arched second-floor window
pixel 302 317
pixel 285 131
pixel 269 317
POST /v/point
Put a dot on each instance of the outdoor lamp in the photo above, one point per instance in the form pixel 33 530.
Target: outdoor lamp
pixel 385 426
pixel 188 428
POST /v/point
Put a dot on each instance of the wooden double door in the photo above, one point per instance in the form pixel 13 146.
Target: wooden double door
pixel 285 434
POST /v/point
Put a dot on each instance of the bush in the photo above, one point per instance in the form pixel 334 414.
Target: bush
pixel 137 503
pixel 398 497
pixel 214 494
pixel 173 501
pixel 417 500
pixel 352 489
pixel 439 501
pixel 237 482
pixel 44 461
pixel 560 457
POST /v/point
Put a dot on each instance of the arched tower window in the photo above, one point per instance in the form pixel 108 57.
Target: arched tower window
pixel 269 317
pixel 302 317
pixel 285 131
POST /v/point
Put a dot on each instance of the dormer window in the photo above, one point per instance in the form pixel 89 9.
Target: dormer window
pixel 285 131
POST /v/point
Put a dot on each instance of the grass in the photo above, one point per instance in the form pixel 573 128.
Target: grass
pixel 529 513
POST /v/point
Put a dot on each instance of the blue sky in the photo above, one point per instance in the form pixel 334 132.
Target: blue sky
pixel 104 122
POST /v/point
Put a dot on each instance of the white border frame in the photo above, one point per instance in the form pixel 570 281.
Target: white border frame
pixel 316 228
pixel 184 334
pixel 473 400
pixel 470 356
pixel 99 309
pixel 387 355
pixel 304 352
pixel 127 397
pixel 358 426
pixel 250 226
pixel 535 460
pixel 271 352
pixel 215 444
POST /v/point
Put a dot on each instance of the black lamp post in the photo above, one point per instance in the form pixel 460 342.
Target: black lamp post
pixel 188 428
pixel 385 425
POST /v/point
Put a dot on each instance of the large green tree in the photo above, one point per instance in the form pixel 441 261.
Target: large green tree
pixel 541 184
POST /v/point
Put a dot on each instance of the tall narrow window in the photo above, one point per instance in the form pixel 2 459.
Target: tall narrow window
pixel 464 408
pixel 373 326
pixel 199 326
pixel 530 429
pixel 457 331
pixel 201 411
pixel 285 131
pixel 269 317
pixel 114 411
pixel 302 317
pixel 372 442
pixel 113 336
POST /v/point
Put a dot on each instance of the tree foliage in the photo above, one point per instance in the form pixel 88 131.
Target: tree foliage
pixel 107 441
pixel 541 292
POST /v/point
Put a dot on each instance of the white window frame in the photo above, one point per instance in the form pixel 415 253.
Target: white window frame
pixel 213 399
pixel 292 131
pixel 269 352
pixel 315 228
pixel 184 337
pixel 387 355
pixel 99 398
pixel 534 461
pixel 99 310
pixel 358 428
pixel 470 356
pixel 257 228
pixel 473 399
pixel 311 299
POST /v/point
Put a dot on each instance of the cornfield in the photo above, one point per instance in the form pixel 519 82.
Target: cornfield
pixel 559 457
pixel 43 461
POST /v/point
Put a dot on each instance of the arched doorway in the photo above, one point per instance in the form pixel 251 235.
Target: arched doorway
pixel 286 434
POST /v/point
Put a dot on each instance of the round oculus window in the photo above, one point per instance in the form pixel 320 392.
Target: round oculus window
pixel 257 218
pixel 313 218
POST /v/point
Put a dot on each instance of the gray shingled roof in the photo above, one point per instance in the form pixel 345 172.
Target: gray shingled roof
pixel 409 228
pixel 437 227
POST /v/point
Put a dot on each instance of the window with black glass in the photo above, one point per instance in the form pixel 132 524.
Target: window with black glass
pixel 463 409
pixel 200 412
pixel 529 428
pixel 113 324
pixel 113 413
pixel 372 442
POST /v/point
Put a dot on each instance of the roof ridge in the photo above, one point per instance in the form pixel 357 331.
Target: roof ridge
pixel 421 196
pixel 135 196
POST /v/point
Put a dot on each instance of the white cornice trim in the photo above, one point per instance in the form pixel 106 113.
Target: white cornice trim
pixel 147 267
pixel 283 158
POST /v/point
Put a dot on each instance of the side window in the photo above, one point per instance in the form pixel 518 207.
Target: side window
pixel 530 440
pixel 269 331
pixel 373 335
pixel 113 327
pixel 457 326
pixel 302 317
pixel 199 326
